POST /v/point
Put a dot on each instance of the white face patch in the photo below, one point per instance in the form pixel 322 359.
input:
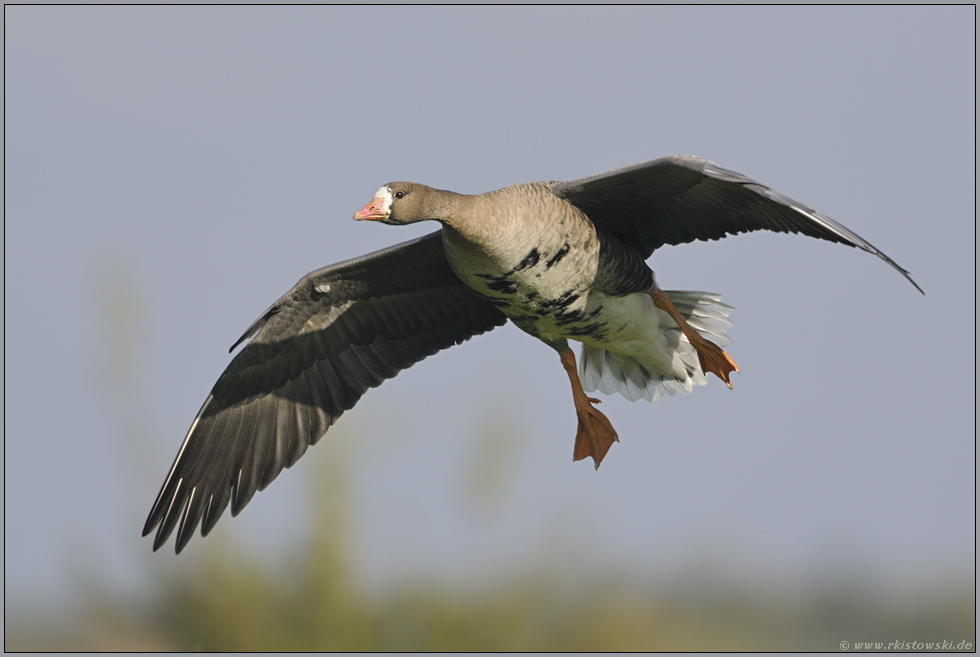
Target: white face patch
pixel 385 195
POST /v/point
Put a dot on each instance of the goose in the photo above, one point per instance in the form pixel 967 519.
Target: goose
pixel 561 260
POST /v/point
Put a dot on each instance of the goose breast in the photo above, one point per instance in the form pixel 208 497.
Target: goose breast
pixel 534 256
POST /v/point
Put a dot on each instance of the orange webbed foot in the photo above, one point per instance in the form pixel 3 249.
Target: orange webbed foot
pixel 595 433
pixel 714 359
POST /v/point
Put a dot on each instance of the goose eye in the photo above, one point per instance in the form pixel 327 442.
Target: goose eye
pixel 399 194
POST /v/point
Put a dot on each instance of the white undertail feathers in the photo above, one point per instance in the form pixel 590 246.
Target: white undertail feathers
pixel 611 373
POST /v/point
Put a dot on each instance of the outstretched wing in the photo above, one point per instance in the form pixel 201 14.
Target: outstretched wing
pixel 682 198
pixel 339 331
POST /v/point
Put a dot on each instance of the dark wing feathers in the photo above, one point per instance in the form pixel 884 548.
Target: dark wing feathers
pixel 682 198
pixel 338 332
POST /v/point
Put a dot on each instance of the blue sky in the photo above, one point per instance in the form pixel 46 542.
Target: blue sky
pixel 169 172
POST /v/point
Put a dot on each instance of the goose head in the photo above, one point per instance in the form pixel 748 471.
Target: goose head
pixel 401 203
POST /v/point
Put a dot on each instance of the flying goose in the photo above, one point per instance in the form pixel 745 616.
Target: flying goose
pixel 561 260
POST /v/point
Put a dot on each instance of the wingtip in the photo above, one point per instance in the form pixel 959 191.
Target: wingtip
pixel 907 275
pixel 151 522
pixel 158 541
pixel 181 544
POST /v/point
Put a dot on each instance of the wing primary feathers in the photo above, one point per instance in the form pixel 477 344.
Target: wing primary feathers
pixel 206 474
pixel 250 474
pixel 230 482
pixel 277 456
pixel 299 429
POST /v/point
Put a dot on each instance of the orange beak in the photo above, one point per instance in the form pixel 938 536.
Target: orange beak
pixel 373 211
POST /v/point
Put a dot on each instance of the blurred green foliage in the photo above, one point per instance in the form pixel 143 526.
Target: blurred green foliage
pixel 229 602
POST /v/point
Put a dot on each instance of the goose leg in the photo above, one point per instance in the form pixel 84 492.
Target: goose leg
pixel 595 433
pixel 712 357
